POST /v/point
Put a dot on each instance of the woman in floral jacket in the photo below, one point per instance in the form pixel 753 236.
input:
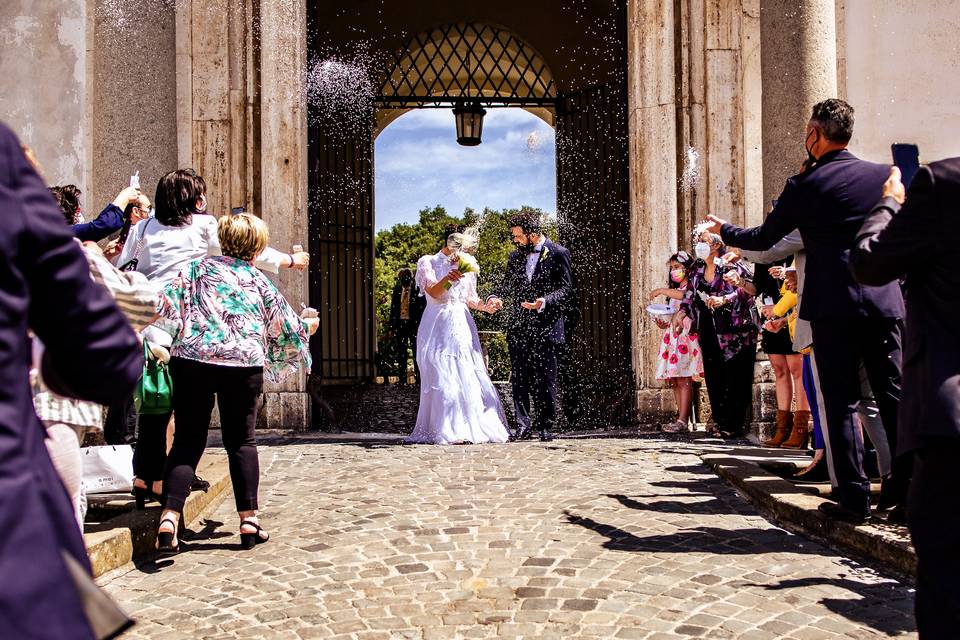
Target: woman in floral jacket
pixel 231 329
pixel 718 300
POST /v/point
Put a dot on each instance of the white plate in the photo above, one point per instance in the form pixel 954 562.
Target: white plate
pixel 658 309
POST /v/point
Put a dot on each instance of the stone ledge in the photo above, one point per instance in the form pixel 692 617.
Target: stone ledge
pixel 131 536
pixel 795 508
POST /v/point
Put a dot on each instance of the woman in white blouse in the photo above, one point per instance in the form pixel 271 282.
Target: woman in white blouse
pixel 160 247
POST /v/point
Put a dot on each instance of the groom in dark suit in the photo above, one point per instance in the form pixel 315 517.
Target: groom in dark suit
pixel 539 285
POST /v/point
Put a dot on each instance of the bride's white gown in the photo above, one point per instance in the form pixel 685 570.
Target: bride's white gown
pixel 458 402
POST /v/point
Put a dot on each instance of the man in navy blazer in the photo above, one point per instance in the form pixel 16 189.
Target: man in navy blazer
pixel 539 283
pixel 918 242
pixel 91 353
pixel 851 322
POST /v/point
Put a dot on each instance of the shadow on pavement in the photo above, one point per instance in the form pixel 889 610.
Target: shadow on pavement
pixel 712 506
pixel 697 540
pixel 871 609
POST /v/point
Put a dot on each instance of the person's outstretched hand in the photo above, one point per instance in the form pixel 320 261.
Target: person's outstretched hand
pixel 311 319
pixel 731 257
pixel 301 260
pixel 533 306
pixel 790 280
pixel 893 187
pixel 714 224
pixel 125 197
pixel 113 249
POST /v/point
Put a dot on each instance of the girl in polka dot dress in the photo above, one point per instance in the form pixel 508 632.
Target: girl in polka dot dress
pixel 680 359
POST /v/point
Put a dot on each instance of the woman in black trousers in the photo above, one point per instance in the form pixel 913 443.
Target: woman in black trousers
pixel 231 329
pixel 719 301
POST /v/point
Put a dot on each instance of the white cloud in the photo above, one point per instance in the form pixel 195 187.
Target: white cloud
pixel 419 167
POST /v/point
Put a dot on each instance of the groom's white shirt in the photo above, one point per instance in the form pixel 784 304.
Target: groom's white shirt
pixel 533 258
pixel 532 261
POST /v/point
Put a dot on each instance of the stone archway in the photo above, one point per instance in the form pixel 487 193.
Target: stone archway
pixel 489 63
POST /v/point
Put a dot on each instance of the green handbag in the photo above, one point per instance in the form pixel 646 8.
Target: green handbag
pixel 155 390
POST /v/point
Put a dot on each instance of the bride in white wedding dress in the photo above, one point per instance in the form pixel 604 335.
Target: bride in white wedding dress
pixel 458 402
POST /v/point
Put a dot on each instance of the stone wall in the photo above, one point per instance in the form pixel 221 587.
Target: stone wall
pixel 898 69
pixel 43 83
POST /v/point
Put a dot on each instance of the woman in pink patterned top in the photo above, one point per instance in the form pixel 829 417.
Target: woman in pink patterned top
pixel 679 360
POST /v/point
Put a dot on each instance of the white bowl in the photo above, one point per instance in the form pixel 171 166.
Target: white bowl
pixel 659 310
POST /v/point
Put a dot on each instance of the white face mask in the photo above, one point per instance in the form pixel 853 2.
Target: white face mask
pixel 702 249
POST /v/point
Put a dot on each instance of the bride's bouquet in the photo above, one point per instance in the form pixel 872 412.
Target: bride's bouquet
pixel 462 245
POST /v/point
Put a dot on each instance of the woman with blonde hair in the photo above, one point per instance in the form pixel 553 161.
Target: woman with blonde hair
pixel 231 328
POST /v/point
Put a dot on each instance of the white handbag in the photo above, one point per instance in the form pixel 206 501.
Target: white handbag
pixel 108 469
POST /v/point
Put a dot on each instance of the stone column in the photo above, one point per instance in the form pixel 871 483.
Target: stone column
pixel 283 149
pixel 653 177
pixel 799 68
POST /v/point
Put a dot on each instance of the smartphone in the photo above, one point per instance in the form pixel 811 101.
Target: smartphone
pixel 135 180
pixel 907 158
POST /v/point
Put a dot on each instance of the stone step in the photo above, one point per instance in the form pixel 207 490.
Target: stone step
pixel 795 508
pixel 130 535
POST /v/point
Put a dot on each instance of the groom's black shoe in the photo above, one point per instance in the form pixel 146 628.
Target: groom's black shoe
pixel 546 436
pixel 520 434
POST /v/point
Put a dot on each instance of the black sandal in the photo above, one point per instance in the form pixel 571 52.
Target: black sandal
pixel 165 540
pixel 250 540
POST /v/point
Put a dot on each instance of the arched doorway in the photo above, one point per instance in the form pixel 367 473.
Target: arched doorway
pixel 483 61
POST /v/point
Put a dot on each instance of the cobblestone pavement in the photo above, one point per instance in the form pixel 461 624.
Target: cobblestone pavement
pixel 576 538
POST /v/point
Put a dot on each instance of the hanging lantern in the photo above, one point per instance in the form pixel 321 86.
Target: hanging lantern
pixel 469 123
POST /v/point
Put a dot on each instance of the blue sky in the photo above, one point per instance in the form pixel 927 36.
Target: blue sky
pixel 419 164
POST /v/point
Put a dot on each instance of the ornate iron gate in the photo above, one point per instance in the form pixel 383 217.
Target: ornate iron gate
pixel 341 241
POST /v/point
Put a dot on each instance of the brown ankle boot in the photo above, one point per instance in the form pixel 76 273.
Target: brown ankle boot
pixel 784 422
pixel 801 431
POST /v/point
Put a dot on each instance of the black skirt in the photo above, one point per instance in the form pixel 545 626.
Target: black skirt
pixel 778 343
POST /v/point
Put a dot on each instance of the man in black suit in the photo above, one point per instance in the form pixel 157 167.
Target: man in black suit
pixel 851 322
pixel 406 310
pixel 918 242
pixel 539 283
